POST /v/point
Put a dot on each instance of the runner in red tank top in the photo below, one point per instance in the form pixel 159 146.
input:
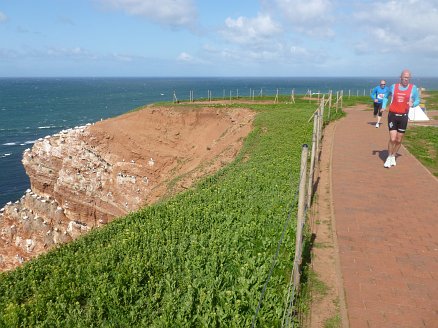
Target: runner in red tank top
pixel 404 96
pixel 400 99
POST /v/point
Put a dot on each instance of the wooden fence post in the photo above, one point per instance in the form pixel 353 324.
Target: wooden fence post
pixel 312 162
pixel 330 99
pixel 342 98
pixel 300 218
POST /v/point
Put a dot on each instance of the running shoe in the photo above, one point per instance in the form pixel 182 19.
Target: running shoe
pixel 393 163
pixel 388 162
pixel 377 125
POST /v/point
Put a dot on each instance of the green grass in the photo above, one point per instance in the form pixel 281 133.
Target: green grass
pixel 422 142
pixel 199 259
pixel 319 287
pixel 333 322
pixel 430 99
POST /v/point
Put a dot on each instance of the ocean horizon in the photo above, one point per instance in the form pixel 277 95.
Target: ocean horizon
pixel 33 108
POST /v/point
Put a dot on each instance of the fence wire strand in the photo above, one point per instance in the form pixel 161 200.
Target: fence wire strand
pixel 287 320
pixel 274 261
pixel 288 313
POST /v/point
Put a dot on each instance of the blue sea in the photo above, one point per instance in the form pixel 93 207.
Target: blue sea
pixel 32 108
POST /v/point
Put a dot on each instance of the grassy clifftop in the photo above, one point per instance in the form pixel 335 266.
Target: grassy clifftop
pixel 198 259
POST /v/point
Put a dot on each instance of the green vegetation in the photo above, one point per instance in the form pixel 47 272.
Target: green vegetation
pixel 199 259
pixel 333 322
pixel 318 287
pixel 422 141
pixel 430 99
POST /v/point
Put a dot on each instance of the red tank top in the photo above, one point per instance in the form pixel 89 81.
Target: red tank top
pixel 400 100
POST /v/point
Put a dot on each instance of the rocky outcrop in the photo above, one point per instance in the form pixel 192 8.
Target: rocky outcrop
pixel 83 178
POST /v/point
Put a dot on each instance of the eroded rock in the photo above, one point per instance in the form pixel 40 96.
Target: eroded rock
pixel 83 178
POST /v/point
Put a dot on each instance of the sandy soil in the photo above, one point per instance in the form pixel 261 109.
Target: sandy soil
pixel 185 142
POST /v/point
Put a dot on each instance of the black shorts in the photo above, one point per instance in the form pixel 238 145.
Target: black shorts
pixel 377 108
pixel 397 122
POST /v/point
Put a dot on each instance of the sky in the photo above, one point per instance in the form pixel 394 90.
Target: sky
pixel 173 38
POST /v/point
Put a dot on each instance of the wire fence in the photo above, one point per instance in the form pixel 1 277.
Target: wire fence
pixel 256 95
pixel 327 102
pixel 306 191
pixel 304 194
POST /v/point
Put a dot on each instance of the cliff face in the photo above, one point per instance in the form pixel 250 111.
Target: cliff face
pixel 84 177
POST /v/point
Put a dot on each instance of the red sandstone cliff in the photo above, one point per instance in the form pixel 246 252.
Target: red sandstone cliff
pixel 84 177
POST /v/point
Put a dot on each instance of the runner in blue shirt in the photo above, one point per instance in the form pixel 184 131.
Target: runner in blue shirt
pixel 377 95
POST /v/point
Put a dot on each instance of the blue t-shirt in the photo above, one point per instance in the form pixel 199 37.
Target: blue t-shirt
pixel 379 93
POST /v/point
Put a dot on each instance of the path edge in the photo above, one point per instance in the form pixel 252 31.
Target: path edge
pixel 341 290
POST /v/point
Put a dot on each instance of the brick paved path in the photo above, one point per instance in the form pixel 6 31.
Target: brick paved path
pixel 387 228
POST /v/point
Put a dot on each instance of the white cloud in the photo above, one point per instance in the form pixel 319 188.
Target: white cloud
pixel 250 31
pixel 311 17
pixel 66 53
pixel 75 52
pixel 175 13
pixel 264 39
pixel 185 57
pixel 3 17
pixel 277 54
pixel 305 11
pixel 399 26
pixel 49 52
pixel 123 58
pixel 215 53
